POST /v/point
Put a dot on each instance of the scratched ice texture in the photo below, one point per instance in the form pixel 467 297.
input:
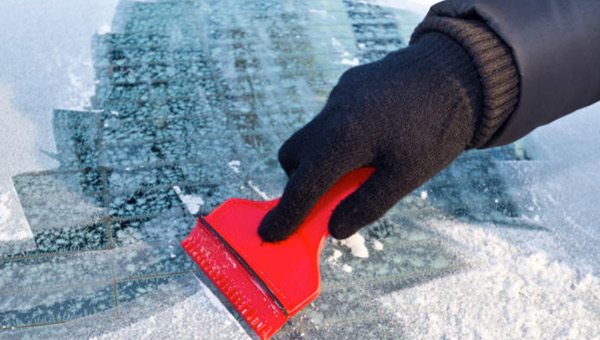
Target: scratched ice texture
pixel 191 99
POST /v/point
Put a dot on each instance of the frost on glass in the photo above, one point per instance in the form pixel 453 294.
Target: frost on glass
pixel 192 101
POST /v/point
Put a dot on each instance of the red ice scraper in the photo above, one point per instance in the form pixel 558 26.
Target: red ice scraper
pixel 267 283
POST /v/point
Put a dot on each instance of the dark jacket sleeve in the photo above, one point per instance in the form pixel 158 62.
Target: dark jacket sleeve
pixel 556 49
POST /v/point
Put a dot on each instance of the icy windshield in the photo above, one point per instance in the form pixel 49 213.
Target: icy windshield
pixel 122 121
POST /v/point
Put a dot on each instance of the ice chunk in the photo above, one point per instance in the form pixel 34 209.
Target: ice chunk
pixel 235 166
pixel 356 244
pixel 191 202
pixel 347 268
pixel 377 245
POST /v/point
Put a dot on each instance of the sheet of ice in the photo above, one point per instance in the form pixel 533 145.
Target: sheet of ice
pixel 201 316
pixel 377 245
pixel 32 84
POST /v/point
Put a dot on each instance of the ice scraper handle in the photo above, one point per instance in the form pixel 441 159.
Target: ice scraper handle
pixel 316 222
pixel 281 220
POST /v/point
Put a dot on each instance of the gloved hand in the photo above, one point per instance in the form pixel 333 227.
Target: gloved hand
pixel 408 115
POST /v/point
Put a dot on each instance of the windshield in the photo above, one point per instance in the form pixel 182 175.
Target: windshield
pixel 122 121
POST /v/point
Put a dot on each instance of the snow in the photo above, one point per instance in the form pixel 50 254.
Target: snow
pixel 511 293
pixel 235 165
pixel 423 195
pixel 334 256
pixel 347 268
pixel 191 202
pixel 356 244
pixel 377 245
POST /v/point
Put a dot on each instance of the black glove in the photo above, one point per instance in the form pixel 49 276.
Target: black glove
pixel 409 115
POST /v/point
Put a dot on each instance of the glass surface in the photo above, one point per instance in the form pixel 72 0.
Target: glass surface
pixel 124 120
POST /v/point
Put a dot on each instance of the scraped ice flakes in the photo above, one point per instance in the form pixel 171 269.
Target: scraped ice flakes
pixel 334 256
pixel 235 165
pixel 356 245
pixel 192 203
pixel 377 245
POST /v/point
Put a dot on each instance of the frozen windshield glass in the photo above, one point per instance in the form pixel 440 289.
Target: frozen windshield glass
pixel 123 120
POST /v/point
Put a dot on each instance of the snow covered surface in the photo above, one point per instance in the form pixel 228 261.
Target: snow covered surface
pixel 508 293
pixel 497 246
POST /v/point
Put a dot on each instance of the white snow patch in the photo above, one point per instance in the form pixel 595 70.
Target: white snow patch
pixel 377 245
pixel 511 293
pixel 356 244
pixel 235 166
pixel 424 195
pixel 257 190
pixel 347 268
pixel 335 256
pixel 191 202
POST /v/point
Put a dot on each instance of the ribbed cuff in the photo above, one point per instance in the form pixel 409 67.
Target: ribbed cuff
pixel 494 63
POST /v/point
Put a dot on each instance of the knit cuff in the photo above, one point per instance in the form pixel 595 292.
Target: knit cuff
pixel 494 63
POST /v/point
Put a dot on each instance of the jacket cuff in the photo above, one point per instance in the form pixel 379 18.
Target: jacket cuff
pixel 494 63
